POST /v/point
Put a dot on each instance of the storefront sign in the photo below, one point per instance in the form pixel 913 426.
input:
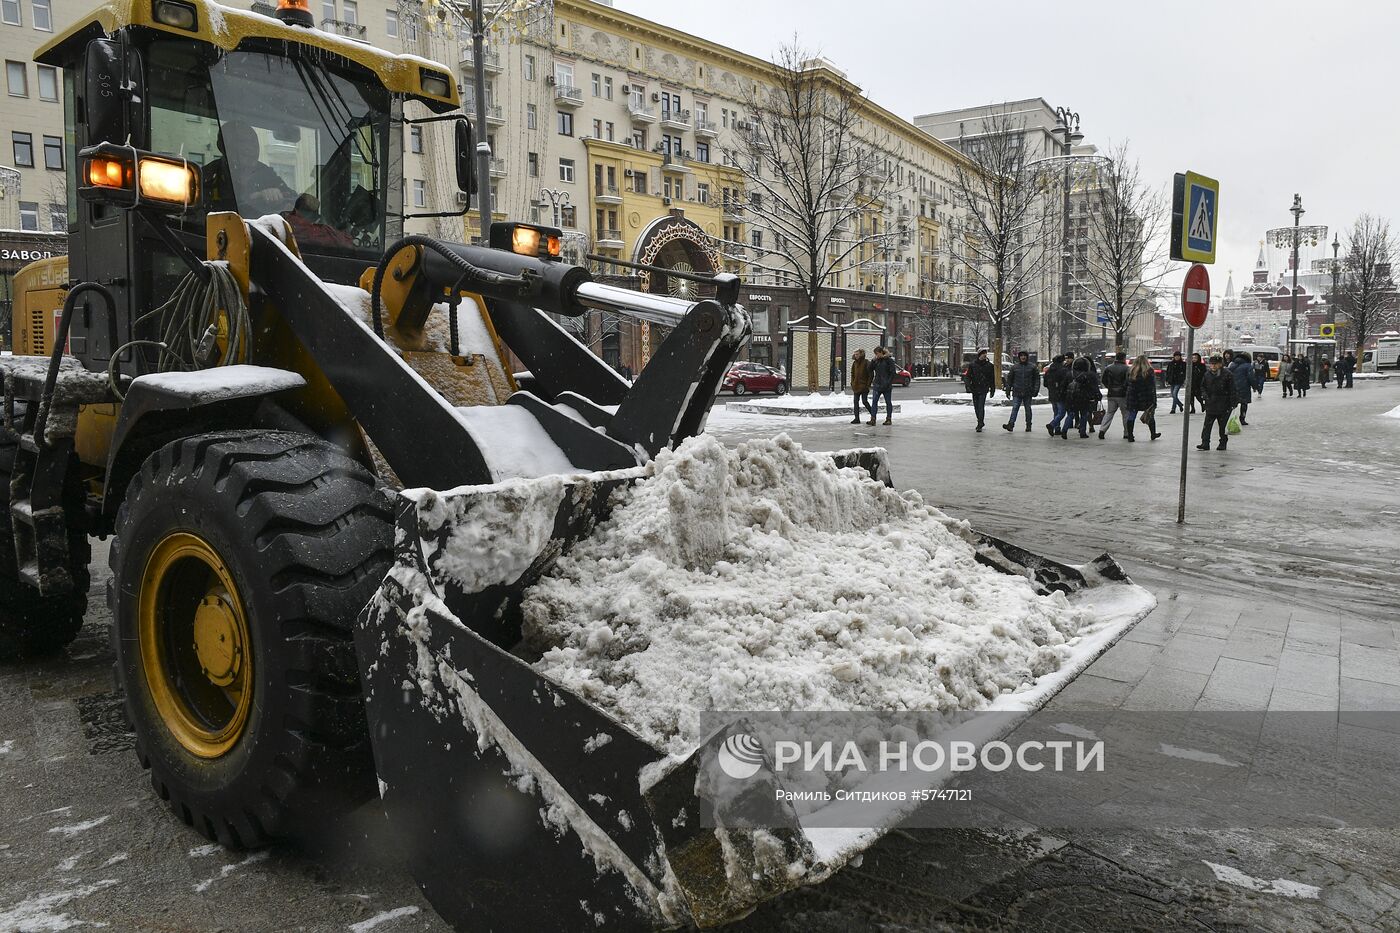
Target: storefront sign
pixel 23 255
pixel 760 298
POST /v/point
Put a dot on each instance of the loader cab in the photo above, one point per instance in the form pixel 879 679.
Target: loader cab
pixel 273 119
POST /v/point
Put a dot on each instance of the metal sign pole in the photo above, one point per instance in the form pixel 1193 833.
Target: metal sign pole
pixel 1186 423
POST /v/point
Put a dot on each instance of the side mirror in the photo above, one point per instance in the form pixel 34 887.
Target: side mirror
pixel 466 158
pixel 114 93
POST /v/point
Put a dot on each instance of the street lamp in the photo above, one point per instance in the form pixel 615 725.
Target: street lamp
pixel 1336 269
pixel 1066 132
pixel 558 199
pixel 1292 237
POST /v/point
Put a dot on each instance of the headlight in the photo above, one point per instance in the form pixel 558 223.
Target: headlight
pixel 167 181
pixel 435 83
pixel 124 177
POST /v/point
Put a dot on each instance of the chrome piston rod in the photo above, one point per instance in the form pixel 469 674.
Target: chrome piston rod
pixel 658 309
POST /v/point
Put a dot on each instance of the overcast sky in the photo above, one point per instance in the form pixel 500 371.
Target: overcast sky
pixel 1268 97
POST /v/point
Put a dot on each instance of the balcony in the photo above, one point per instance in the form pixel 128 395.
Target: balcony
pixel 491 60
pixel 704 128
pixel 676 119
pixel 641 114
pixel 565 96
pixel 498 168
pixel 732 208
pixel 342 28
pixel 494 113
pixel 608 194
pixel 610 239
pixel 676 161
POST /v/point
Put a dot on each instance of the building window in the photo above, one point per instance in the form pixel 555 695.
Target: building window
pixel 529 67
pixel 410 29
pixel 420 193
pixel 607 88
pixel 597 129
pixel 58 218
pixel 568 216
pixel 532 117
pixel 702 193
pixel 724 117
pixel 17 78
pixel 48 82
pixel 9 13
pixel 391 23
pixel 636 96
pixel 24 149
pixel 351 12
pixel 563 74
pixel 608 131
pixel 53 152
pixel 566 170
pixel 702 112
pixel 702 151
pixel 28 215
pixel 639 139
pixel 532 162
pixel 566 123
pixel 597 84
pixel 639 181
pixel 327 13
pixel 415 139
pixel 756 239
pixel 43 15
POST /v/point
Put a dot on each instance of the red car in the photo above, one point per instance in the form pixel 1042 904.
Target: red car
pixel 744 378
pixel 903 378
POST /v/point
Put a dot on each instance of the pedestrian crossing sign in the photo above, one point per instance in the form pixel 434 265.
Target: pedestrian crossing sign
pixel 1195 217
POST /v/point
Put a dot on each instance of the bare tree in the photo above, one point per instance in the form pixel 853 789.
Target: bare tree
pixel 1124 255
pixel 1367 291
pixel 1001 198
pixel 813 178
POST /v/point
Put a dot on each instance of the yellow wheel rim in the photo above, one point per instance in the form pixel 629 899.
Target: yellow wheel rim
pixel 195 645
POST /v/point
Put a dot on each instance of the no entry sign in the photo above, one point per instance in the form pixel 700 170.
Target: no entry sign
pixel 1195 295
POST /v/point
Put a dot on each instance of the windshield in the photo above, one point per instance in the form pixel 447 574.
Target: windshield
pixel 293 136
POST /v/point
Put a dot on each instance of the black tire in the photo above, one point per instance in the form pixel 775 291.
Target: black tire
pixel 740 388
pixel 781 388
pixel 32 625
pixel 306 535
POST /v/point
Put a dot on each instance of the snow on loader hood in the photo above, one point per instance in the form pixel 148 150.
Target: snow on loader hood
pixel 623 607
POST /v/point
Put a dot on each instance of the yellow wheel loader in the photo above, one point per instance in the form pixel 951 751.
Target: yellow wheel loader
pixel 238 362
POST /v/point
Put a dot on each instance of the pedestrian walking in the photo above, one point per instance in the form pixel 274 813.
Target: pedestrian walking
pixel 1243 372
pixel 1198 373
pixel 979 379
pixel 1142 398
pixel 1081 397
pixel 1301 375
pixel 1022 386
pixel 1056 380
pixel 1218 399
pixel 1285 374
pixel 882 384
pixel 1176 378
pixel 1324 373
pixel 1115 384
pixel 860 386
pixel 1261 375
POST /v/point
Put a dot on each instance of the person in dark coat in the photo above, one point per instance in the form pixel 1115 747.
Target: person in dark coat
pixel 1081 397
pixel 1302 374
pixel 1022 386
pixel 1115 383
pixel 1176 378
pixel 1243 371
pixel 1285 375
pixel 979 379
pixel 1198 374
pixel 860 385
pixel 1261 375
pixel 1324 373
pixel 882 384
pixel 1218 398
pixel 1348 369
pixel 1056 378
pixel 1141 398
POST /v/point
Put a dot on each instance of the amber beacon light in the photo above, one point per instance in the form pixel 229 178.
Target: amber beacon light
pixel 295 12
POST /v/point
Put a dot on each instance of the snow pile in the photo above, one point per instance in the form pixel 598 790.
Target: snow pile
pixel 1393 413
pixel 766 578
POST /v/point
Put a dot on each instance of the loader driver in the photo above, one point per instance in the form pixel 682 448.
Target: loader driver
pixel 240 179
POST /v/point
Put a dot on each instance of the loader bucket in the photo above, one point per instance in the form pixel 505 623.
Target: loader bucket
pixel 516 803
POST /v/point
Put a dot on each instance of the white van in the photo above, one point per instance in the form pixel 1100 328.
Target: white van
pixel 1385 356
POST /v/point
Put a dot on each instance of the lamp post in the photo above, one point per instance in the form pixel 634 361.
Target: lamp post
pixel 1291 238
pixel 1336 270
pixel 558 199
pixel 1066 132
